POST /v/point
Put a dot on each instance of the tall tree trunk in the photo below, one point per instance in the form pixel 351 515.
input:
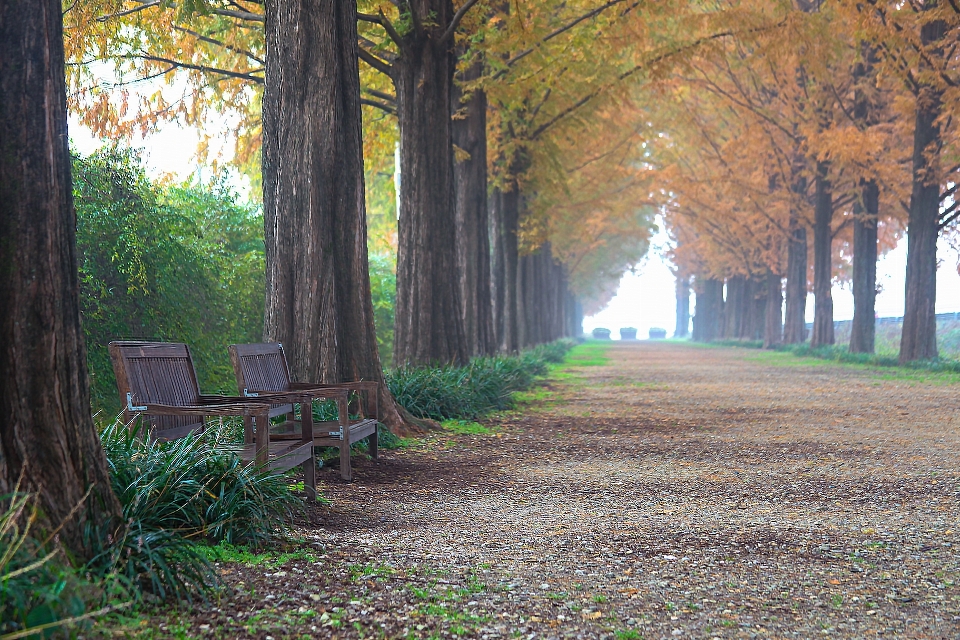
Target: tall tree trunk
pixel 733 307
pixel 773 318
pixel 822 260
pixel 318 286
pixel 707 323
pixel 47 433
pixel 473 238
pixel 863 330
pixel 506 209
pixel 429 315
pixel 865 218
pixel 919 338
pixel 754 310
pixel 683 307
pixel 795 324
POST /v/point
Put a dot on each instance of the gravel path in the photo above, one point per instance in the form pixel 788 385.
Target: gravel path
pixel 674 492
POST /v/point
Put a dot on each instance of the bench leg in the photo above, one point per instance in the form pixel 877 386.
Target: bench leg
pixel 346 471
pixel 374 443
pixel 310 478
pixel 306 433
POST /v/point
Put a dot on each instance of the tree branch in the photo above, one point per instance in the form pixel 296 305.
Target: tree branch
pixel 205 69
pixel 378 105
pixel 209 40
pixel 455 22
pixel 949 215
pixel 386 97
pixel 127 12
pixel 375 62
pixel 570 25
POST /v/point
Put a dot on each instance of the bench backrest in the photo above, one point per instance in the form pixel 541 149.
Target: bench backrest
pixel 157 373
pixel 261 367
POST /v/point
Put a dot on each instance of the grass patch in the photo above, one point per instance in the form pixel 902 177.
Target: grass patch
pixel 466 428
pixel 592 353
pixel 799 355
pixel 743 344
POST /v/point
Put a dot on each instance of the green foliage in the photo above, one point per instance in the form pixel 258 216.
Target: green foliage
pixel 197 486
pixel 176 493
pixel 744 344
pixel 182 263
pixel 484 385
pixel 840 353
pixel 465 427
pixel 226 552
pixel 383 288
pixel 554 352
pixel 37 588
pixel 589 354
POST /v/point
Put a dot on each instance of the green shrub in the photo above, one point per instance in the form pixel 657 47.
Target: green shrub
pixel 196 486
pixel 182 263
pixel 484 385
pixel 383 289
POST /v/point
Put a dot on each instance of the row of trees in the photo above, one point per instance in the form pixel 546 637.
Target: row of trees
pixel 811 148
pixel 478 125
pixel 540 138
pixel 299 98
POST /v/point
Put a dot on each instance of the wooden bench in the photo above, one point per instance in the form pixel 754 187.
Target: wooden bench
pixel 158 383
pixel 262 368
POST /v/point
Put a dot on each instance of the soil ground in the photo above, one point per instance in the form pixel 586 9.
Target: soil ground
pixel 663 491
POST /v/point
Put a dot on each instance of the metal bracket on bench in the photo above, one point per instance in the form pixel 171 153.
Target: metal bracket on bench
pixel 248 394
pixel 130 406
pixel 336 434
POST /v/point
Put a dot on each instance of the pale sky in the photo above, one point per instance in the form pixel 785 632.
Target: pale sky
pixel 647 297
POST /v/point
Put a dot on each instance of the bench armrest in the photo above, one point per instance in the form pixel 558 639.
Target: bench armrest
pixel 296 395
pixel 245 409
pixel 359 385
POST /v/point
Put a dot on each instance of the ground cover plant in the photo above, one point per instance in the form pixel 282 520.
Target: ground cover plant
pixel 38 589
pixel 841 353
pixel 177 498
pixel 484 385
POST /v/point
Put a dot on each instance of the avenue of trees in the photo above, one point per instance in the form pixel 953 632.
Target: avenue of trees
pixel 800 154
pixel 536 142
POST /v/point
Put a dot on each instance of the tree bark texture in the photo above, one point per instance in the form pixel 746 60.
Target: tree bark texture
pixel 505 223
pixel 473 238
pixel 429 312
pixel 864 326
pixel 773 316
pixel 822 259
pixel 318 285
pixel 795 327
pixel 47 432
pixel 919 338
pixel 683 307
pixel 707 323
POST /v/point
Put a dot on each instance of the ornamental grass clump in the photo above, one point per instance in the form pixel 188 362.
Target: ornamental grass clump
pixel 180 493
pixel 197 486
pixel 484 385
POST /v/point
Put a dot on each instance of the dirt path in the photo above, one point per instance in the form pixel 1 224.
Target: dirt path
pixel 673 492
